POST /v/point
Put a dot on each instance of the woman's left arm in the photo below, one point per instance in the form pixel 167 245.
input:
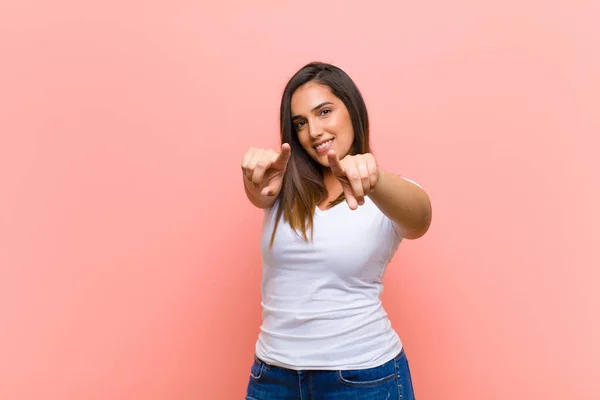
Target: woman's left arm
pixel 404 202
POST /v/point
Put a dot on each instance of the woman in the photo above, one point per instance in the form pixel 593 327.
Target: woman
pixel 333 220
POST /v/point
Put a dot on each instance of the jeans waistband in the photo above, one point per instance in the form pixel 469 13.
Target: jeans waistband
pixel 268 366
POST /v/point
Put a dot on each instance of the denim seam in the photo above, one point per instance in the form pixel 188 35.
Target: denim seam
pixel 398 378
pixel 365 383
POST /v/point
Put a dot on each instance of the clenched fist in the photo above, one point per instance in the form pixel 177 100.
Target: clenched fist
pixel 263 169
pixel 358 175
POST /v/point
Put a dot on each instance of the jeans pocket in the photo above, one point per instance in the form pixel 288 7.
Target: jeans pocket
pixel 257 369
pixel 367 377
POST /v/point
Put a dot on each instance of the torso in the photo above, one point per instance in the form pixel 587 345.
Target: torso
pixel 321 305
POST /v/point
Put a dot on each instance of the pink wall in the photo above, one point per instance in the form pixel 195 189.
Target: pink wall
pixel 129 266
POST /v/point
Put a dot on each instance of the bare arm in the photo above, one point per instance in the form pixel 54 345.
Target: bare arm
pixel 403 202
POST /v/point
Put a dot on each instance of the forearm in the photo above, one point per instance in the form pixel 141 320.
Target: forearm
pixel 404 203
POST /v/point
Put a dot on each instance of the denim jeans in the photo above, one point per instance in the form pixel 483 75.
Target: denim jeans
pixel 390 381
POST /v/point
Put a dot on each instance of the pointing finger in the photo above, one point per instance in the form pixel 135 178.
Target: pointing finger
pixel 334 164
pixel 284 156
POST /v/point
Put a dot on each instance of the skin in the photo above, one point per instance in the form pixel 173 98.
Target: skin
pixel 319 115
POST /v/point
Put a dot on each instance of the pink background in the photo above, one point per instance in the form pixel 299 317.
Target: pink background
pixel 129 260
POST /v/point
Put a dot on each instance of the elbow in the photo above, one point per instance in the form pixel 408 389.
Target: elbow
pixel 418 232
pixel 423 222
pixel 415 233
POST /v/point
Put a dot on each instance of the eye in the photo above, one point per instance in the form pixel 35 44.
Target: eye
pixel 299 125
pixel 326 111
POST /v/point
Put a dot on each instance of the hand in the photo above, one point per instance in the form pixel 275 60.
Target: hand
pixel 264 169
pixel 358 175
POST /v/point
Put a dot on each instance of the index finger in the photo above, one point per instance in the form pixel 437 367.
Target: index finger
pixel 334 163
pixel 283 157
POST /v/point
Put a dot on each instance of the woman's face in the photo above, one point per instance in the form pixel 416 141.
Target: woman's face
pixel 321 121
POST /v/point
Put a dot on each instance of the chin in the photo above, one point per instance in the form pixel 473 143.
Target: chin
pixel 323 160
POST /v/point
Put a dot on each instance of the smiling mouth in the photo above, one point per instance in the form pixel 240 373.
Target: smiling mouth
pixel 324 147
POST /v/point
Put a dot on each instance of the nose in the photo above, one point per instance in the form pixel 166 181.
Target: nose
pixel 315 129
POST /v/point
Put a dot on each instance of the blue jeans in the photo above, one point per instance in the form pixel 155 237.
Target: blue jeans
pixel 390 381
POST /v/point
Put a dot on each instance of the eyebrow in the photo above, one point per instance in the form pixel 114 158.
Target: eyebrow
pixel 314 109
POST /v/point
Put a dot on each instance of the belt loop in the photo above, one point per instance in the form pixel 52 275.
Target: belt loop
pixel 257 360
pixel 261 362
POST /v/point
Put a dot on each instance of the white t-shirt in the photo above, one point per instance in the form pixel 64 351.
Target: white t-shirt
pixel 321 300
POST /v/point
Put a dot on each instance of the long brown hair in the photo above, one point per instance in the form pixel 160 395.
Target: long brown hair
pixel 303 188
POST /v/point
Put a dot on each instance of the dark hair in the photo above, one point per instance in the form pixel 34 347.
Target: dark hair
pixel 303 188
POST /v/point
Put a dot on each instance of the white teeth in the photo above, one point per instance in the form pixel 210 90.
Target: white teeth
pixel 323 145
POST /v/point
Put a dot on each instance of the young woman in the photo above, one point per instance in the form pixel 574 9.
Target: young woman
pixel 333 220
